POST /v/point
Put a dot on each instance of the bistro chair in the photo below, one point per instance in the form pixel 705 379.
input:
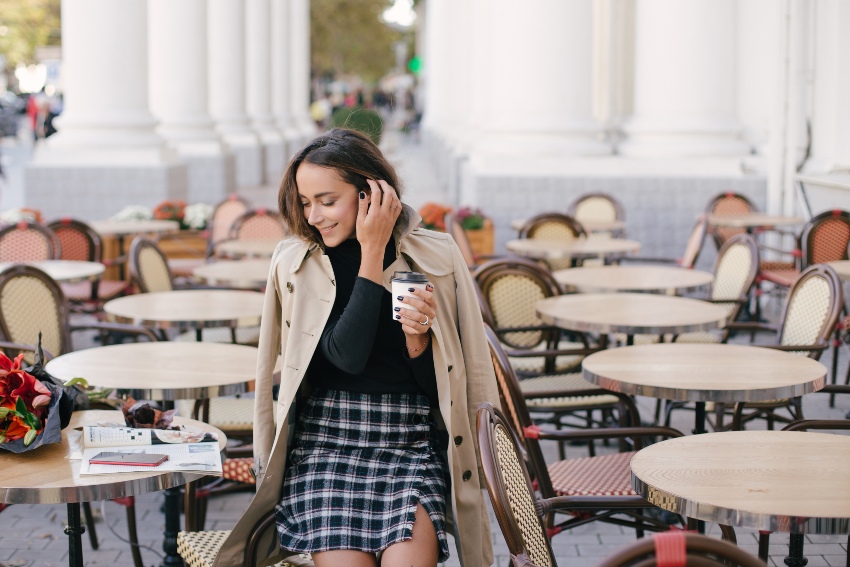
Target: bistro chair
pixel 28 242
pixel 597 207
pixel 81 242
pixel 258 224
pixel 693 247
pixel 192 257
pixel 680 549
pixel 808 320
pixel 587 489
pixel 554 226
pixel 223 216
pixel 728 204
pixel 455 229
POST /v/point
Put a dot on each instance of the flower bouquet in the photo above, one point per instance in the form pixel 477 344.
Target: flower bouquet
pixel 195 216
pixel 133 213
pixel 29 409
pixel 470 219
pixel 434 216
pixel 171 210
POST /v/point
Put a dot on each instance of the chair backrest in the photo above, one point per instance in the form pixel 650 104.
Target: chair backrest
pixel 32 302
pixel 680 549
pixel 552 226
pixel 825 238
pixel 79 241
pixel 223 216
pixel 149 267
pixel 509 486
pixel 728 204
pixel 695 242
pixel 28 242
pixel 455 229
pixel 811 309
pixel 511 288
pixel 258 224
pixel 596 207
pixel 735 271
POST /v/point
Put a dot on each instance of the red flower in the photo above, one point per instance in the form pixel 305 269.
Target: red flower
pixel 23 399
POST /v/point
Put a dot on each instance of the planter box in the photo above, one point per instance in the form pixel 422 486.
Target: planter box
pixel 177 245
pixel 482 240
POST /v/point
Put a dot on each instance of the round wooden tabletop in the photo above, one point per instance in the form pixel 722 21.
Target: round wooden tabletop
pixel 704 372
pixel 778 481
pixel 188 309
pixel 842 268
pixel 630 313
pixel 579 248
pixel 163 370
pixel 243 274
pixel 754 220
pixel 47 476
pixel 632 278
pixel 122 228
pixel 588 225
pixel 65 271
pixel 261 248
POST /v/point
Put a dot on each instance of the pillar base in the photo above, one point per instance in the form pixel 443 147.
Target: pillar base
pixel 274 156
pixel 248 158
pixel 542 144
pixel 210 178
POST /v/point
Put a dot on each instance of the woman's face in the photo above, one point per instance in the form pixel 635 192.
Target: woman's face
pixel 330 204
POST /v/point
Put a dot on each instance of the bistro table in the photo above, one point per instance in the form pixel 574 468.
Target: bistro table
pixel 588 225
pixel 235 249
pixel 704 373
pixel 188 309
pixel 630 313
pixel 632 278
pixel 65 271
pixel 579 248
pixel 243 274
pixel 753 220
pixel 773 481
pixel 842 268
pixel 47 476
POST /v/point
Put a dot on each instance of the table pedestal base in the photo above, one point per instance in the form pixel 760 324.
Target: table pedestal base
pixel 172 526
pixel 795 552
pixel 75 531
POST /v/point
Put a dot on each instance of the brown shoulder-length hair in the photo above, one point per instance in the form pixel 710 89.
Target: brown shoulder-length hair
pixel 352 155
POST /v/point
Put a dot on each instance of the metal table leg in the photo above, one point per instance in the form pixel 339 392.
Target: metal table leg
pixel 75 530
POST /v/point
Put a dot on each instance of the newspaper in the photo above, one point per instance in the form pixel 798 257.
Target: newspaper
pixel 187 450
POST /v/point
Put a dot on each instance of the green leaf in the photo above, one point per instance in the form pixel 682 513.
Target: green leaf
pixel 30 437
pixel 2 437
pixel 4 412
pixel 22 412
pixel 78 380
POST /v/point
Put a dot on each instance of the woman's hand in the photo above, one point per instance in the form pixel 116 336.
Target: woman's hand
pixel 376 217
pixel 417 324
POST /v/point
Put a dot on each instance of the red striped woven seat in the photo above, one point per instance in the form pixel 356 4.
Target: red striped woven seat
pixel 780 273
pixel 606 475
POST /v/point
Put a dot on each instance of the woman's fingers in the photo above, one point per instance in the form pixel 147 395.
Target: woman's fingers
pixel 413 322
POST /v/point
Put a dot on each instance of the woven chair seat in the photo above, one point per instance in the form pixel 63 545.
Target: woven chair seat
pixel 780 273
pixel 607 475
pixel 701 337
pixel 555 382
pixel 565 363
pixel 183 267
pixel 638 339
pixel 244 335
pixel 229 413
pixel 106 290
pixel 198 549
pixel 570 402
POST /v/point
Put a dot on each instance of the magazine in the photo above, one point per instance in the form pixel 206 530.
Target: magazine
pixel 186 450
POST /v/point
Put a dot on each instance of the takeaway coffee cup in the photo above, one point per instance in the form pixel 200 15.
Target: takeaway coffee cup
pixel 402 282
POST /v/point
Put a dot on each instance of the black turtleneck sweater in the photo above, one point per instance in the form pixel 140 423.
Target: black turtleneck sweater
pixel 363 348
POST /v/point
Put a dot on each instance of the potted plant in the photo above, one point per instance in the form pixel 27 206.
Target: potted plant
pixel 434 216
pixel 478 228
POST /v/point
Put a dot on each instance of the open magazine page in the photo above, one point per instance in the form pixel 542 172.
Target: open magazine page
pixel 191 451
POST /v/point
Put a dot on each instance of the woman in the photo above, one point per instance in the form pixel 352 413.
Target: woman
pixel 374 444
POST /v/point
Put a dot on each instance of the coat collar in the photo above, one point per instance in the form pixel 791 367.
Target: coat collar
pixel 401 230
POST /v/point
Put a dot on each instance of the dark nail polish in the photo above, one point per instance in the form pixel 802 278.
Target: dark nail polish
pixel 400 298
pixel 362 194
pixel 410 289
pixel 396 308
pixel 398 316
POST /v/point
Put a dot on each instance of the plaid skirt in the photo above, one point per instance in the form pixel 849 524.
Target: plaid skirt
pixel 359 465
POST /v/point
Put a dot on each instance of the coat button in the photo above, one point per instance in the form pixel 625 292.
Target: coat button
pixel 289 287
pixel 450 367
pixel 333 282
pixel 287 323
pixel 467 475
pixel 458 440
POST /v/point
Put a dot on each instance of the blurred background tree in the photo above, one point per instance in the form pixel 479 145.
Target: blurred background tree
pixel 347 36
pixel 25 25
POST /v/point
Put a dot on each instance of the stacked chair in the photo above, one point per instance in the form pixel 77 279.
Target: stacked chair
pixel 554 226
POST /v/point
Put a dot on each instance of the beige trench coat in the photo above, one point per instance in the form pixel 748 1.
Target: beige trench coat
pixel 299 297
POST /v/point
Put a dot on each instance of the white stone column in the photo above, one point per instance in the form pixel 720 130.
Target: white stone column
pixel 539 95
pixel 685 60
pixel 258 87
pixel 758 42
pixel 106 152
pixel 299 26
pixel 281 63
pixel 178 96
pixel 226 66
pixel 436 68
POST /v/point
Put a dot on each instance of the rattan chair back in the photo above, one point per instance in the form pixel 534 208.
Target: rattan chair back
pixel 509 486
pixel 455 229
pixel 728 204
pixel 680 549
pixel 552 226
pixel 31 302
pixel 223 216
pixel 596 207
pixel 511 287
pixel 695 242
pixel 149 266
pixel 825 238
pixel 811 309
pixel 258 224
pixel 28 242
pixel 78 240
pixel 735 271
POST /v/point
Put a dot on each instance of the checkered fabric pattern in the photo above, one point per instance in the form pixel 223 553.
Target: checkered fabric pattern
pixel 360 464
pixel 198 549
pixel 606 475
pixel 520 498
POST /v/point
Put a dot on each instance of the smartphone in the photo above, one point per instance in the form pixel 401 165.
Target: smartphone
pixel 132 459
